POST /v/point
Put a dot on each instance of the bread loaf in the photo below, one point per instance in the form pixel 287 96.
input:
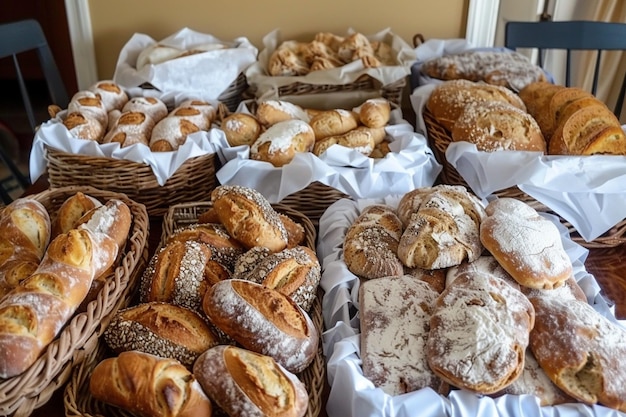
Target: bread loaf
pixel 89 103
pixel 194 114
pixel 25 232
pixel 525 244
pixel 71 211
pixel 207 109
pixel 374 112
pixel 371 243
pixel 242 383
pixel 479 332
pixel 581 351
pixel 279 144
pixel 152 106
pixel 169 133
pixel 112 95
pixel 270 112
pixel 161 329
pixel 149 386
pixel 263 320
pixel 82 126
pixel 130 129
pixel 333 123
pixel 241 129
pixel 248 217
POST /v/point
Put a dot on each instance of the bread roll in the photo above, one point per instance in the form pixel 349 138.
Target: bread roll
pixel 494 126
pixel 130 129
pixel 152 106
pixel 161 329
pixel 333 123
pixel 149 386
pixel 525 244
pixel 581 351
pixel 206 108
pixel 280 143
pixel 287 60
pixel 242 382
pixel 295 231
pixel 396 308
pixel 371 243
pixel 89 104
pixel 194 114
pixel 263 320
pixel 71 211
pixel 112 95
pixel 83 126
pixel 248 217
pixel 241 129
pixel 270 112
pixel 374 112
pixel 479 332
pixel 170 133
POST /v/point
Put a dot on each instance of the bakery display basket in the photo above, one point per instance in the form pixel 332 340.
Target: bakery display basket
pixel 79 402
pixel 79 339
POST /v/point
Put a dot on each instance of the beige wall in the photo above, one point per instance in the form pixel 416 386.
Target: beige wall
pixel 115 21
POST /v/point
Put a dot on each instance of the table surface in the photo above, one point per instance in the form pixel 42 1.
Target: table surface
pixel 606 264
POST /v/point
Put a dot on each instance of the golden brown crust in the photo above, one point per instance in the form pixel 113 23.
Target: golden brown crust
pixel 270 112
pixel 333 123
pixel 169 133
pixel 241 129
pixel 71 211
pixel 280 143
pixel 375 112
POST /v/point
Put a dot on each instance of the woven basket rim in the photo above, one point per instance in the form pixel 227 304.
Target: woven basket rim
pixel 23 393
pixel 78 402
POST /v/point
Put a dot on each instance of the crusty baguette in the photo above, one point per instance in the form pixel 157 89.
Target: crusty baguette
pixel 242 383
pixel 149 386
pixel 70 212
pixel 33 313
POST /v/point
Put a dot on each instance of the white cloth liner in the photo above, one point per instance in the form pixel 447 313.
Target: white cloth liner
pixel 351 394
pixel 164 164
pixel 203 76
pixel 410 164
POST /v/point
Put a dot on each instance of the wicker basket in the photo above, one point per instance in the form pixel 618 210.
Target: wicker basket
pixel 20 395
pixel 313 200
pixel 193 181
pixel 439 139
pixel 79 402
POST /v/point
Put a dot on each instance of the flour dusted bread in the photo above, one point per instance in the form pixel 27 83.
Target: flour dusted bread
pixel 83 126
pixel 443 231
pixel 479 332
pixel 248 217
pixel 396 309
pixel 241 129
pixel 153 106
pixel 112 94
pixel 371 243
pixel 242 382
pixel 149 386
pixel 270 112
pixel 90 104
pixel 263 320
pixel 170 133
pixel 582 352
pixel 280 142
pixel 71 211
pixel 374 112
pixel 527 245
pixel 130 128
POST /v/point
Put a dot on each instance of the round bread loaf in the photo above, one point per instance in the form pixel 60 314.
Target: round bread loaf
pixel 248 217
pixel 279 144
pixel 161 329
pixel 90 104
pixel 207 109
pixel 479 332
pixel 582 352
pixel 241 129
pixel 494 126
pixel 370 245
pixel 525 244
pixel 130 128
pixel 263 320
pixel 192 114
pixel 112 95
pixel 170 133
pixel 242 382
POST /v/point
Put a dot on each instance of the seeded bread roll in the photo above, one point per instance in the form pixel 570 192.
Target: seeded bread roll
pixel 161 329
pixel 525 244
pixel 248 217
pixel 370 245
pixel 396 308
pixel 242 383
pixel 280 143
pixel 333 123
pixel 494 126
pixel 149 386
pixel 241 129
pixel 581 351
pixel 263 320
pixel 479 332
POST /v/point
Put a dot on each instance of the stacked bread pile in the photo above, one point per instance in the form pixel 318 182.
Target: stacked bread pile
pixel 279 129
pixel 478 298
pixel 508 69
pixel 326 51
pixel 222 319
pixel 573 121
pixel 490 116
pixel 104 113
pixel 50 264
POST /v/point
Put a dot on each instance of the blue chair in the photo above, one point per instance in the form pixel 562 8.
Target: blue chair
pixel 17 38
pixel 570 36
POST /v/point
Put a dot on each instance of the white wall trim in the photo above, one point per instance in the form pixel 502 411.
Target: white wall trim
pixel 81 35
pixel 482 19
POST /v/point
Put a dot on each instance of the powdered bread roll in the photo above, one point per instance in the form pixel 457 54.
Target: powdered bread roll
pixel 249 217
pixel 279 144
pixel 192 114
pixel 396 308
pixel 371 243
pixel 82 126
pixel 241 129
pixel 242 383
pixel 206 108
pixel 170 133
pixel 479 332
pixel 374 112
pixel 263 320
pixel 527 245
pixel 333 123
pixel 130 129
pixel 111 94
pixel 484 264
pixel 494 126
pixel 270 112
pixel 154 107
pixel 581 351
pixel 90 104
